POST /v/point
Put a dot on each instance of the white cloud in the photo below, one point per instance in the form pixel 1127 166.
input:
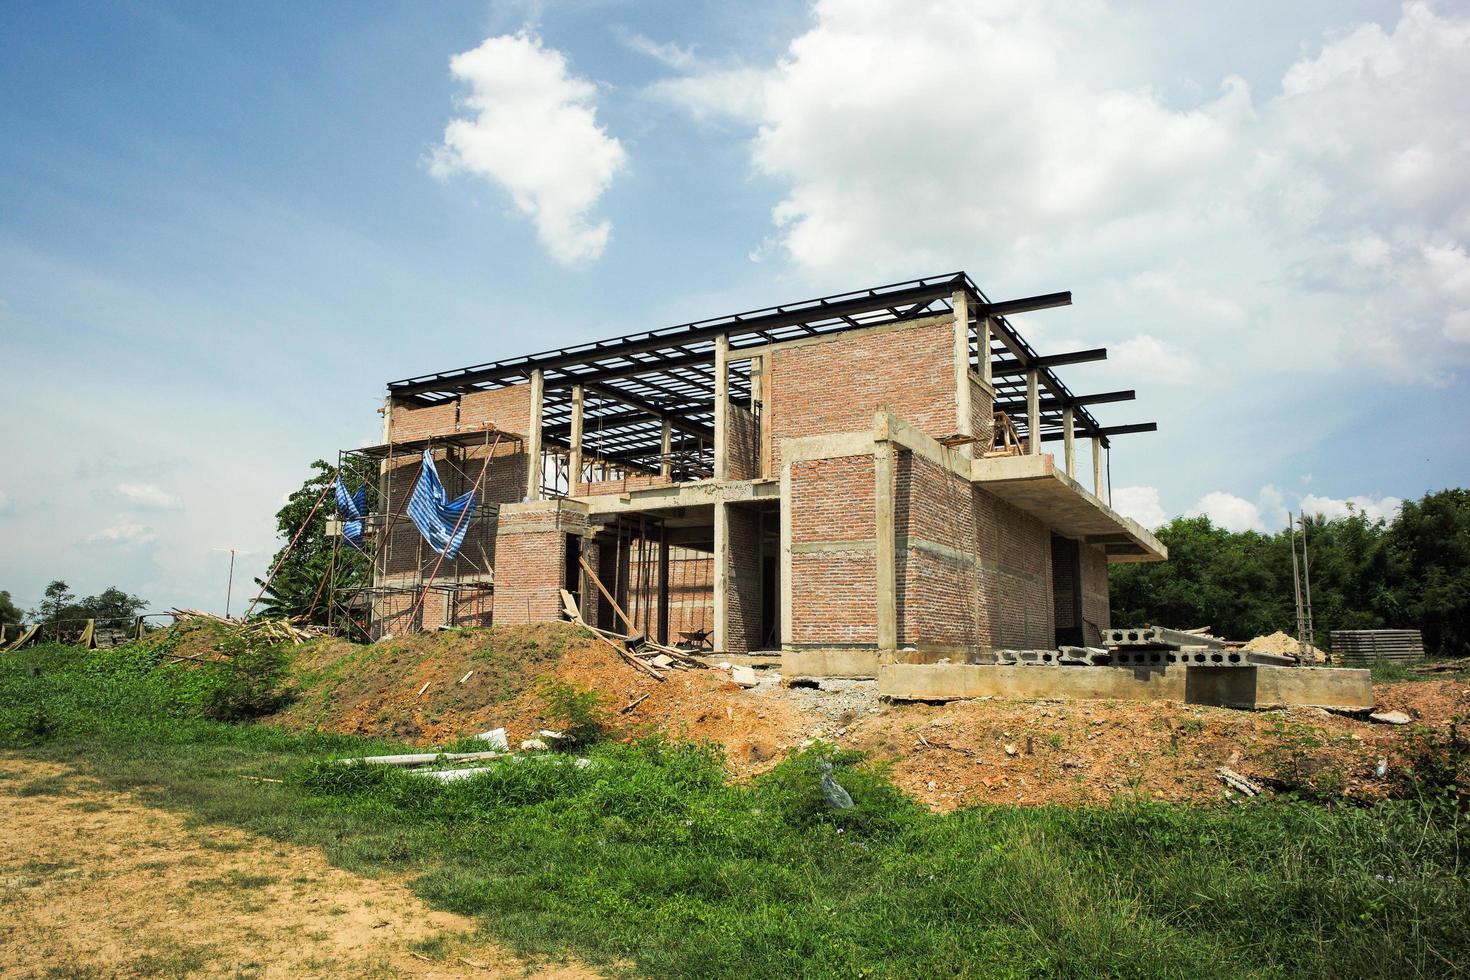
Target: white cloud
pixel 666 53
pixel 1140 503
pixel 1149 358
pixel 1228 511
pixel 535 134
pixel 149 496
pixel 1325 223
pixel 1373 508
pixel 125 531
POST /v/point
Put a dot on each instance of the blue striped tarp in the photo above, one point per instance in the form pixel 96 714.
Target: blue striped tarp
pixel 352 508
pixel 436 516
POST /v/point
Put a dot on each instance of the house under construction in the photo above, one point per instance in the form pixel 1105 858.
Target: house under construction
pixel 846 476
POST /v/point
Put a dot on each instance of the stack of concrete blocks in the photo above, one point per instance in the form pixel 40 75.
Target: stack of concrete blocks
pixel 1158 646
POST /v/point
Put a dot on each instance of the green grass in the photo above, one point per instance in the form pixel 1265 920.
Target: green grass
pixel 649 860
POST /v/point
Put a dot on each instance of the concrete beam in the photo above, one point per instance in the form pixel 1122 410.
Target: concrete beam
pixel 885 536
pixel 1033 413
pixel 666 446
pixel 984 339
pixel 721 636
pixel 1229 687
pixel 1097 469
pixel 533 436
pixel 701 494
pixel 574 458
pixel 1069 438
pixel 722 407
pixel 961 301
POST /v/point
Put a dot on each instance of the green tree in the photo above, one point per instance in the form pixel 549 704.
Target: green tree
pixel 8 611
pixel 112 605
pixel 299 588
pixel 1412 572
pixel 1431 541
pixel 56 603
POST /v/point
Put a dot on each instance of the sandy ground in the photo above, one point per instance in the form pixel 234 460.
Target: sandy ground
pixel 94 883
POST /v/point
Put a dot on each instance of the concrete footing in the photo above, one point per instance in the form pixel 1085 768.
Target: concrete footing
pixel 1226 687
pixel 833 663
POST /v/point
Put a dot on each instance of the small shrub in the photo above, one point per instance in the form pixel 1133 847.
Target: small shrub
pixel 32 725
pixel 1439 764
pixel 250 684
pixel 578 712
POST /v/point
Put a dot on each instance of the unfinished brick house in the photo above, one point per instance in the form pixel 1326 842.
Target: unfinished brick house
pixel 860 475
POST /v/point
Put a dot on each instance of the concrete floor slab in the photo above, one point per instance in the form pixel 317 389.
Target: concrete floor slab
pixel 1229 687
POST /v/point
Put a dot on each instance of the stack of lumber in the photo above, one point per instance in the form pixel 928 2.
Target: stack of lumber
pixel 267 630
pixel 1367 646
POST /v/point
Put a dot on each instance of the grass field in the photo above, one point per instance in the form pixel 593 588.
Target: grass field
pixel 648 861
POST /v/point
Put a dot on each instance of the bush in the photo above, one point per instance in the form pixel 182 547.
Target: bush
pixel 576 711
pixel 250 684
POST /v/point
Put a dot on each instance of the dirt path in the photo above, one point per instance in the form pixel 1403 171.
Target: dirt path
pixel 94 883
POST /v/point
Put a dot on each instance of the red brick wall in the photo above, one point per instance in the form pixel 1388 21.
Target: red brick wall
pixel 530 560
pixel 937 578
pixel 743 581
pixel 1015 551
pixel 836 385
pixel 1096 608
pixel 634 481
pixel 833 589
pixel 507 409
pixel 982 417
pixel 743 443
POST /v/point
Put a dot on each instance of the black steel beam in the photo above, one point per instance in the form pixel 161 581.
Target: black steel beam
pixel 1051 404
pixel 680 424
pixel 799 314
pixel 1104 431
pixel 1013 366
pixel 1028 304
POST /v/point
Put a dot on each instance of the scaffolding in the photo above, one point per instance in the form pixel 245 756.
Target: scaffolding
pixel 398 582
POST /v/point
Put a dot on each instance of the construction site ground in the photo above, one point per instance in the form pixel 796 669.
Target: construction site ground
pixel 438 688
pixel 98 883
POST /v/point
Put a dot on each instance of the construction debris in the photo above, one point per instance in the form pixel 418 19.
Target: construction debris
pixel 268 630
pixel 654 659
pixel 1237 782
pixel 495 738
pixel 743 676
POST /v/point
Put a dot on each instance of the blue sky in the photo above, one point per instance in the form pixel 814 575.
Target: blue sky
pixel 224 227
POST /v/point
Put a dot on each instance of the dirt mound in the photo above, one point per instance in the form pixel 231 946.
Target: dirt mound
pixel 433 688
pixel 1284 644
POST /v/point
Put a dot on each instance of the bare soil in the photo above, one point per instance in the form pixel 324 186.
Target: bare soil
pixel 945 756
pixel 95 883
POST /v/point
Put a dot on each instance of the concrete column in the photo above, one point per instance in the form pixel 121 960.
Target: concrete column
pixel 1033 413
pixel 1069 442
pixel 663 583
pixel 533 436
pixel 1097 467
pixel 961 301
pixel 721 636
pixel 722 406
pixel 666 446
pixel 574 460
pixel 886 546
pixel 984 340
